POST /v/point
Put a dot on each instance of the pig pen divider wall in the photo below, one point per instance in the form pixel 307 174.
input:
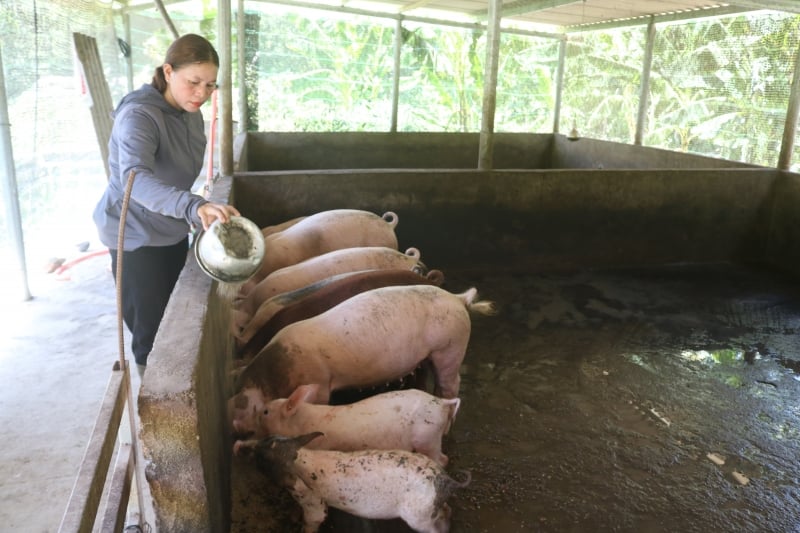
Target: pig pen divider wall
pixel 509 220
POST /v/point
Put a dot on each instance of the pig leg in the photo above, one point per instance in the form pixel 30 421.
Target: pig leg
pixel 434 451
pixel 441 520
pixel 239 321
pixel 315 510
pixel 422 378
pixel 446 363
pixel 437 521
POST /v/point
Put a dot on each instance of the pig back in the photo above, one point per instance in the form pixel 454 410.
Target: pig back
pixel 326 265
pixel 324 232
pixel 377 481
pixel 322 298
pixel 411 420
pixel 377 336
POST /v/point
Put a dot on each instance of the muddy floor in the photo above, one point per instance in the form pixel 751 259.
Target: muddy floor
pixel 654 400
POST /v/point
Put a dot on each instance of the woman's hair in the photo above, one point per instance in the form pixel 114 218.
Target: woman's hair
pixel 185 50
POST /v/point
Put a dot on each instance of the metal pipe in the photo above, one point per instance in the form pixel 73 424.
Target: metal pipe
pixel 11 200
pixel 562 53
pixel 644 89
pixel 126 21
pixel 485 148
pixel 408 18
pixel 224 78
pixel 241 72
pixel 165 16
pixel 398 46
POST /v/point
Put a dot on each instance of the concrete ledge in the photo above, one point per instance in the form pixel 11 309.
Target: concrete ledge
pixel 182 406
pixel 271 151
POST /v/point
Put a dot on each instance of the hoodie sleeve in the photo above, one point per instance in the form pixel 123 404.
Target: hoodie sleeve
pixel 138 142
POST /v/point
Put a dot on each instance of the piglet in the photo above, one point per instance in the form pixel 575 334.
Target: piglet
pixel 374 484
pixel 411 420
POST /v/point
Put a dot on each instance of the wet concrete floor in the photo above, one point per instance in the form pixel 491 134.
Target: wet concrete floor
pixel 651 400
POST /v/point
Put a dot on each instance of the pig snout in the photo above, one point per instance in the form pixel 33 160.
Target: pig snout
pixel 283 450
pixel 244 447
pixel 243 414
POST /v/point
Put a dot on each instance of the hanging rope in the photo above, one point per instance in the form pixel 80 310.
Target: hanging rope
pixel 120 333
pixel 120 253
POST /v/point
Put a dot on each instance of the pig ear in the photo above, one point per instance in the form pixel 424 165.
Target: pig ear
pixel 310 391
pixel 297 397
pixel 303 393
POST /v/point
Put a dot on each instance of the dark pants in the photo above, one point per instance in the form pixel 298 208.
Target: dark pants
pixel 148 276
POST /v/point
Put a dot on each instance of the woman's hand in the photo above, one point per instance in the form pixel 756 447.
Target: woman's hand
pixel 209 212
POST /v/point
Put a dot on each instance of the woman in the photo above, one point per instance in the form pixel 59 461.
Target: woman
pixel 159 134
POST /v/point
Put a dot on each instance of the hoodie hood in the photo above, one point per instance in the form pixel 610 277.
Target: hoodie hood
pixel 148 95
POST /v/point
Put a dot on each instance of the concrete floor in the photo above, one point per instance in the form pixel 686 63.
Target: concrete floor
pixel 56 356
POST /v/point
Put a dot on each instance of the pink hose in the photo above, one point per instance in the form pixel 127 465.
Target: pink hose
pixel 70 264
pixel 212 134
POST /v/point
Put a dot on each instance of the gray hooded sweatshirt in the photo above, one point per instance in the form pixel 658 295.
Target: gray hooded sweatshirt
pixel 165 146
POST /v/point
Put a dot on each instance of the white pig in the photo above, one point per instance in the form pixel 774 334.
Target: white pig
pixel 324 266
pixel 304 237
pixel 374 484
pixel 411 420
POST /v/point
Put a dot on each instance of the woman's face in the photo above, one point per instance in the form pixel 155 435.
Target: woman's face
pixel 189 87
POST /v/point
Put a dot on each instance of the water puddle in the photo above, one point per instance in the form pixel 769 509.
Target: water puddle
pixel 722 357
pixel 733 357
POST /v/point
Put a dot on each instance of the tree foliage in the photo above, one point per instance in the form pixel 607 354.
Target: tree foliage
pixel 718 87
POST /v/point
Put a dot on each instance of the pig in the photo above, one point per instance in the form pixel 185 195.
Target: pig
pixel 373 484
pixel 323 266
pixel 269 230
pixel 410 420
pixel 287 308
pixel 377 336
pixel 326 231
pixel 243 326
